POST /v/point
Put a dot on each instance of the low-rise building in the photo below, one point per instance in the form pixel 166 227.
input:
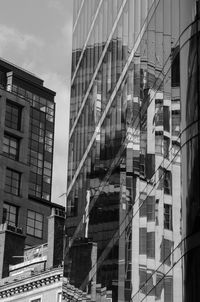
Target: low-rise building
pixel 38 277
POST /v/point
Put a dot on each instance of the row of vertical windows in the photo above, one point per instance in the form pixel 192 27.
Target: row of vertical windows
pixel 147 243
pixel 147 286
pixel 147 246
pixel 41 147
pixel 34 225
pixel 148 209
pixel 13 182
pixel 40 155
pixel 37 102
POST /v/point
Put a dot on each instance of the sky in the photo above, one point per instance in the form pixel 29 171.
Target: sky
pixel 37 35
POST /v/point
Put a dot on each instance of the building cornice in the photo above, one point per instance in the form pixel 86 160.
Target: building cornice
pixel 38 280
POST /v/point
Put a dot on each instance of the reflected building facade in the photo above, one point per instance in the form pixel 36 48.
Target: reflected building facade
pixel 189 59
pixel 127 146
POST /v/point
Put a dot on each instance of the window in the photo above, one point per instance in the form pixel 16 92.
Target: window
pixel 13 116
pixel 10 214
pixel 166 118
pixel 48 141
pixel 12 183
pixel 176 121
pixel 142 241
pixel 36 300
pixel 175 70
pixel 11 146
pixel 166 248
pixel 167 182
pixel 159 113
pixel 59 297
pixel 150 208
pixel 166 147
pixel 151 245
pixel 167 216
pixel 168 289
pixel 158 142
pixel 34 224
pixel 143 203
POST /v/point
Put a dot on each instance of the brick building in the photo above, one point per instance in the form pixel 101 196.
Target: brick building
pixel 26 156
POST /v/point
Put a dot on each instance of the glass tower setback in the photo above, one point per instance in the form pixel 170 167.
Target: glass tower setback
pixel 134 139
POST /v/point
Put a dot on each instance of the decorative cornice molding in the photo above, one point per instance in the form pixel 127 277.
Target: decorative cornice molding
pixel 36 281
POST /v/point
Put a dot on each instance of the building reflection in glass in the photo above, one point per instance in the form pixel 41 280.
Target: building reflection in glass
pixel 190 148
pixel 133 168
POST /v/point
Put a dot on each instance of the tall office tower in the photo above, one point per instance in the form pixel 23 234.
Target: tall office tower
pixel 190 98
pixel 26 156
pixel 124 150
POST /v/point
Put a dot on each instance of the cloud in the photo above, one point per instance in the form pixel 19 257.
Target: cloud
pixel 56 5
pixel 67 30
pixel 52 64
pixel 10 37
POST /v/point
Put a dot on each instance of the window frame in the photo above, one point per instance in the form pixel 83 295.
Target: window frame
pixel 35 223
pixel 15 224
pixel 9 116
pixel 6 185
pixel 11 138
pixel 167 217
pixel 36 299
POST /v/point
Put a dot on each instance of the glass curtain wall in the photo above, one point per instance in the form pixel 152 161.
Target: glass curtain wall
pixel 189 62
pixel 124 149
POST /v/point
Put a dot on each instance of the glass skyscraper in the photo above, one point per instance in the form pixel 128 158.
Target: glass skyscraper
pixel 133 164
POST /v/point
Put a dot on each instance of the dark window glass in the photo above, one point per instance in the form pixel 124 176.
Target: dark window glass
pixel 72 206
pixel 176 121
pixel 11 146
pixel 166 247
pixel 159 286
pixel 13 116
pixel 40 156
pixel 142 241
pixel 168 289
pixel 168 216
pixel 142 165
pixel 150 208
pixel 34 224
pixel 167 182
pixel 158 142
pixel 143 210
pixel 35 184
pixel 150 165
pixel 166 147
pixel 10 214
pixel 12 183
pixel 166 118
pixel 143 280
pixel 175 69
pixel 151 244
